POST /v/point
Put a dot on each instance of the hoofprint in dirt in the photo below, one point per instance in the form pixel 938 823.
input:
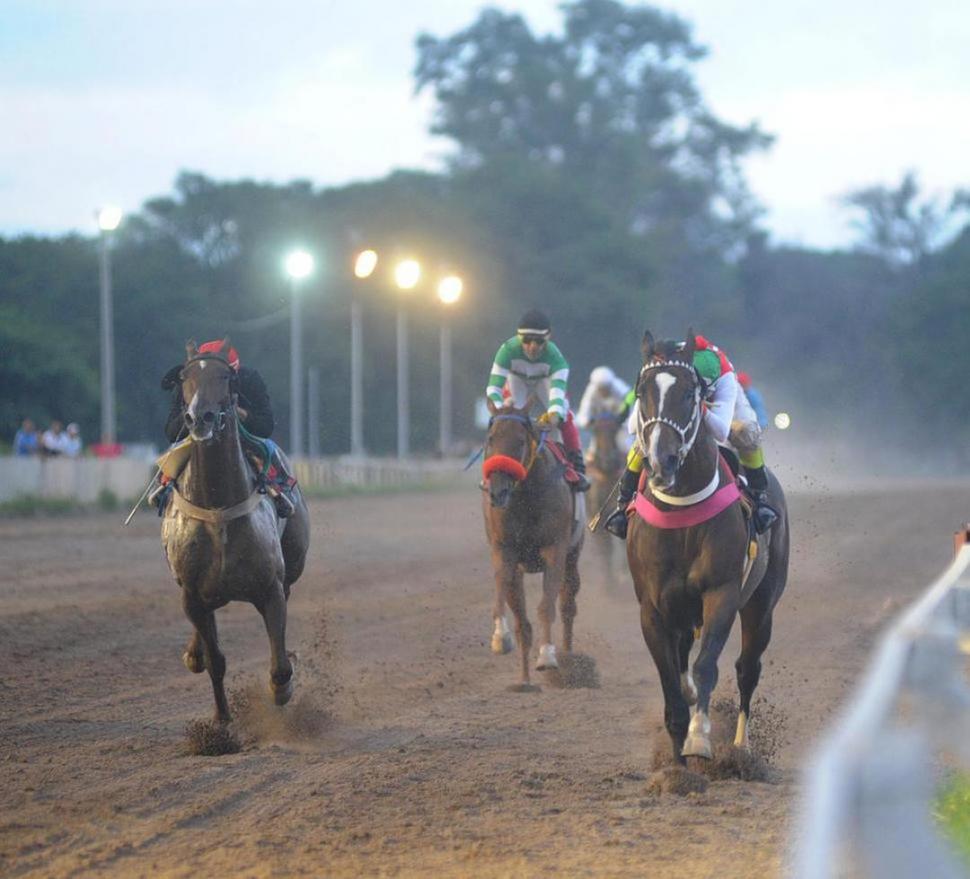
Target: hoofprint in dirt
pixel 402 752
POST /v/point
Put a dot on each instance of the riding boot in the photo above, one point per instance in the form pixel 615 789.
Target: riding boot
pixel 576 458
pixel 764 514
pixel 617 523
pixel 159 493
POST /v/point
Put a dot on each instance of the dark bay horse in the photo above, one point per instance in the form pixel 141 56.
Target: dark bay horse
pixel 532 524
pixel 605 461
pixel 222 538
pixel 698 576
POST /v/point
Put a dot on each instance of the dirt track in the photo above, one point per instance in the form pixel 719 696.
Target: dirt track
pixel 403 753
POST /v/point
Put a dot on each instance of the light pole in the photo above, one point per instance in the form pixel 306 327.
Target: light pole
pixel 364 267
pixel 406 276
pixel 299 265
pixel 109 219
pixel 449 292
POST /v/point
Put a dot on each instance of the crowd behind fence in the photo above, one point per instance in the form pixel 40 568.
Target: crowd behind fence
pixel 871 787
pixel 85 479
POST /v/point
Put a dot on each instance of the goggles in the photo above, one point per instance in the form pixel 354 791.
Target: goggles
pixel 532 339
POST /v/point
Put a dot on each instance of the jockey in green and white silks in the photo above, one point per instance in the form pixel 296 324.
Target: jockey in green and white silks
pixel 528 364
pixel 729 417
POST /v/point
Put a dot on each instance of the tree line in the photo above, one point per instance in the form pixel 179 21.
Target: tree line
pixel 589 178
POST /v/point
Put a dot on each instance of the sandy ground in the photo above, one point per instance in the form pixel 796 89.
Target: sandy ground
pixel 403 752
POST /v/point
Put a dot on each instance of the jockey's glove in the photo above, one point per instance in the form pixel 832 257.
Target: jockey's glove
pixel 548 419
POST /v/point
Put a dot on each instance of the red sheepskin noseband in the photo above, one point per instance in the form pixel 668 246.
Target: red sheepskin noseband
pixel 504 463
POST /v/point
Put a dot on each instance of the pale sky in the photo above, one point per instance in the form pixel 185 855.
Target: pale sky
pixel 105 101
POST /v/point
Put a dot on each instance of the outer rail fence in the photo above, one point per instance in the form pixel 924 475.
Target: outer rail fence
pixel 85 479
pixel 868 809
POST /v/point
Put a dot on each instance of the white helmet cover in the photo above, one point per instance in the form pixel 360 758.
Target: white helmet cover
pixel 602 376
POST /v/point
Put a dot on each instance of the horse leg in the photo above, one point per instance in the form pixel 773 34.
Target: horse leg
pixel 193 656
pixel 515 597
pixel 755 635
pixel 273 611
pixel 205 626
pixel 501 633
pixel 686 680
pixel 567 599
pixel 663 649
pixel 553 575
pixel 719 613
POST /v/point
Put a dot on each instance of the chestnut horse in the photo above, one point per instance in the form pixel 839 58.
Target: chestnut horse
pixel 532 524
pixel 698 576
pixel 222 538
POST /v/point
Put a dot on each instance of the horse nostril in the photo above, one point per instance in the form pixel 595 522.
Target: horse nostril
pixel 670 462
pixel 188 419
pixel 209 417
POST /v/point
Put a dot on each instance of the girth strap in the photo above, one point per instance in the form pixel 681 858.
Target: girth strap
pixel 217 516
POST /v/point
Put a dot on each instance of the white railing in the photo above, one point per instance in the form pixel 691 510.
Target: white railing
pixel 84 479
pixel 868 809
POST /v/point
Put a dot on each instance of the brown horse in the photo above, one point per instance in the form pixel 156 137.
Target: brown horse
pixel 605 461
pixel 222 538
pixel 698 576
pixel 532 524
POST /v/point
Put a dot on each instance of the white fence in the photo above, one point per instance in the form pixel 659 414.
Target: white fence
pixel 870 789
pixel 84 479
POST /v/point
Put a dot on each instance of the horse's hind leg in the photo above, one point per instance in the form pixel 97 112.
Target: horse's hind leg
pixel 205 626
pixel 719 612
pixel 755 635
pixel 280 669
pixel 553 574
pixel 567 599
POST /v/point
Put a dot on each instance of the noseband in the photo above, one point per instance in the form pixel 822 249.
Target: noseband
pixel 688 433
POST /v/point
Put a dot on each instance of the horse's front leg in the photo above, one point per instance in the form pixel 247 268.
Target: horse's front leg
pixel 508 583
pixel 273 611
pixel 552 580
pixel 720 608
pixel 662 645
pixel 501 633
pixel 194 654
pixel 204 621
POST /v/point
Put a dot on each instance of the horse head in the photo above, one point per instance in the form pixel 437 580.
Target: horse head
pixel 209 391
pixel 668 406
pixel 509 445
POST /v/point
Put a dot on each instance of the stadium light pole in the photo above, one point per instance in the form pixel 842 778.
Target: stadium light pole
pixel 449 292
pixel 406 275
pixel 364 266
pixel 109 218
pixel 299 266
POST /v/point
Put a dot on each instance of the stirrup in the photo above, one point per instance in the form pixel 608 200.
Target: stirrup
pixel 158 497
pixel 764 517
pixel 284 506
pixel 617 523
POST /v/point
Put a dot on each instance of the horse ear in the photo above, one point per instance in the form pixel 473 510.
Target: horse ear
pixel 690 343
pixel 647 346
pixel 492 408
pixel 224 348
pixel 191 350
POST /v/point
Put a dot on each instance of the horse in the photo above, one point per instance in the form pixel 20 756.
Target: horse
pixel 605 462
pixel 533 522
pixel 701 575
pixel 221 535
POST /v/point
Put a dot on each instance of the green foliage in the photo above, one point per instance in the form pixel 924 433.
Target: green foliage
pixel 953 814
pixel 28 506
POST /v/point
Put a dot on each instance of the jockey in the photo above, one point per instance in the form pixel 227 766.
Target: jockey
pixel 729 417
pixel 530 363
pixel 253 408
pixel 604 395
pixel 754 398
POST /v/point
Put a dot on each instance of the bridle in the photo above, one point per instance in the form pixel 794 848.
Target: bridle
pixel 508 464
pixel 687 433
pixel 227 407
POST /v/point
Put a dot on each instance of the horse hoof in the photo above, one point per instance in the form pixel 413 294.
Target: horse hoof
pixel 547 658
pixel 525 688
pixel 502 637
pixel 282 693
pixel 697 746
pixel 194 662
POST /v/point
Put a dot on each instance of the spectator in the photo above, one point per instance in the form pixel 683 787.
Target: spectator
pixel 54 439
pixel 26 441
pixel 72 444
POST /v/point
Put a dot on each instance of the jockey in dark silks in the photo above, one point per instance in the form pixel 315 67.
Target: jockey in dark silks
pixel 253 408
